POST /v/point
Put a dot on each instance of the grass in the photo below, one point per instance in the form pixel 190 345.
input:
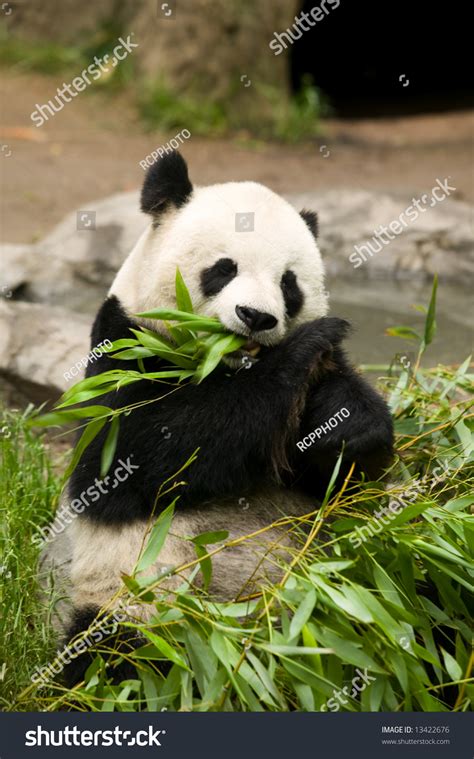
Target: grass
pixel 28 493
pixel 53 59
pixel 391 598
pixel 267 115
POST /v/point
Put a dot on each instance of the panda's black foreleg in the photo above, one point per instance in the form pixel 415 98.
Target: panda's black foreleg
pixel 101 634
pixel 237 421
pixel 342 413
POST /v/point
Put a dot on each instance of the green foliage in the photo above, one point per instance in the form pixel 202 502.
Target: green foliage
pixel 160 108
pixel 28 491
pixel 197 346
pixel 52 58
pixel 389 598
pixel 299 118
pixel 270 116
pixel 45 57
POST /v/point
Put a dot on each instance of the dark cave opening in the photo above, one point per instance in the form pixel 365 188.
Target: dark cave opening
pixel 375 58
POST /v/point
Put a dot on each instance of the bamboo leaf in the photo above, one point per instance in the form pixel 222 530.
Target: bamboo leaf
pixel 208 538
pixel 110 446
pixel 452 667
pixel 157 538
pixel 303 613
pixel 163 648
pixel 430 322
pixel 406 333
pixel 223 345
pixel 170 314
pixel 205 563
pixel 59 418
pixel 183 298
pixel 90 432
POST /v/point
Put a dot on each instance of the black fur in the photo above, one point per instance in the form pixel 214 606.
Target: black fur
pixel 311 220
pixel 217 276
pixel 238 420
pixel 125 641
pixel 166 183
pixel 292 294
pixel 367 433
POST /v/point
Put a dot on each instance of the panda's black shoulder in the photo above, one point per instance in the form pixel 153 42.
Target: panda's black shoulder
pixel 112 322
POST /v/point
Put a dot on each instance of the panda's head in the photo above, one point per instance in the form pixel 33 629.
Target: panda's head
pixel 246 256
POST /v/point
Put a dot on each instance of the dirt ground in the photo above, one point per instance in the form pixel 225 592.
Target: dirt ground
pixel 92 148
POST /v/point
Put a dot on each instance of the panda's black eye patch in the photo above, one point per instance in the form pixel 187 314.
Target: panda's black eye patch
pixel 217 276
pixel 291 292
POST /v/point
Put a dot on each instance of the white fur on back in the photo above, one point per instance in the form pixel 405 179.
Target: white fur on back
pixel 98 554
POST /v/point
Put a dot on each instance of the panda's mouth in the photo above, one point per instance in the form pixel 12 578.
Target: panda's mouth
pixel 251 348
pixel 246 355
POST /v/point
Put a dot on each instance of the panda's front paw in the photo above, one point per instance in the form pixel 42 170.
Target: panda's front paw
pixel 306 351
pixel 332 328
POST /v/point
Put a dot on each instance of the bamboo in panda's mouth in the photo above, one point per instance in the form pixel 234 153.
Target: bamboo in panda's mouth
pixel 250 348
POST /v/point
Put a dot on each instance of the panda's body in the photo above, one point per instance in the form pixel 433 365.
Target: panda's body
pixel 266 284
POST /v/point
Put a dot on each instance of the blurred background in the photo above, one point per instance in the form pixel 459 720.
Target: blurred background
pixel 353 117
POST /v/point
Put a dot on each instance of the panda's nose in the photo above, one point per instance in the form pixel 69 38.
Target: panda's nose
pixel 255 320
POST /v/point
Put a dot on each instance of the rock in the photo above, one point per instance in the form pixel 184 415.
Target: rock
pixel 38 344
pixel 75 268
pixel 438 241
pixel 18 268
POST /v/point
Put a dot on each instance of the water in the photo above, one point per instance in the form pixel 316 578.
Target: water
pixel 373 306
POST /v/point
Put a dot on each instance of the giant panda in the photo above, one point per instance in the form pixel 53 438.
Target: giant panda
pixel 264 279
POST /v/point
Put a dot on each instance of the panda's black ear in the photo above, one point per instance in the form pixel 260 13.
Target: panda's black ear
pixel 166 183
pixel 311 220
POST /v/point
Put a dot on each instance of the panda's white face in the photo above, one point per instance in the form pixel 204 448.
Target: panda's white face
pixel 246 256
